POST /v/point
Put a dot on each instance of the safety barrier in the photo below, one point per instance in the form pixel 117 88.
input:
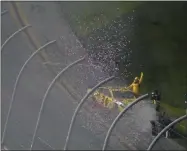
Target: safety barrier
pixel 46 94
pixel 16 83
pixel 12 36
pixel 79 106
pixel 165 129
pixel 118 117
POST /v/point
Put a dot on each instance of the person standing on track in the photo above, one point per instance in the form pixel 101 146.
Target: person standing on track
pixel 135 86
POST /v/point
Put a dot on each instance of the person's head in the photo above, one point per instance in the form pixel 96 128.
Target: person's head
pixel 136 80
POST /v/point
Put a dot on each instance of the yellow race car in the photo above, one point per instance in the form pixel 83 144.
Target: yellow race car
pixel 112 98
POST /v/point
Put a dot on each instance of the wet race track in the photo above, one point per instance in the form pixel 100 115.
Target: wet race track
pixel 132 132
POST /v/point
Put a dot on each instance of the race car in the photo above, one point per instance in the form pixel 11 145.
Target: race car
pixel 113 98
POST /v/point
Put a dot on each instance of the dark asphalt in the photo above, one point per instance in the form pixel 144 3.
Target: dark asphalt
pixel 36 78
pixel 133 131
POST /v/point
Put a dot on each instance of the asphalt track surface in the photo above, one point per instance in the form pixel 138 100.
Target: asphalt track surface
pixel 132 132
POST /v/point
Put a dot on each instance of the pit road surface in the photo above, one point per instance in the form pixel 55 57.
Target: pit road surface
pixel 132 132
